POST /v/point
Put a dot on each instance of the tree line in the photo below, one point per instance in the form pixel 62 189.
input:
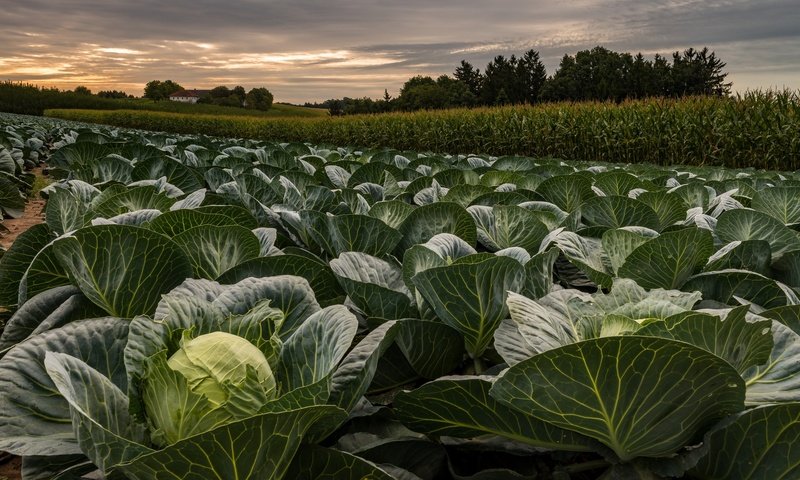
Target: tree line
pixel 258 98
pixel 598 74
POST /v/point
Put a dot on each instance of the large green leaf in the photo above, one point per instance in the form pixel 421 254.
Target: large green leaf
pixel 17 259
pixel 213 250
pixel 393 372
pixel 617 182
pixel 753 255
pixel 99 412
pixel 180 175
pixel 111 168
pixel 78 155
pixel 130 200
pixel 48 310
pixel 585 253
pixel 441 217
pixel 319 275
pixel 617 212
pixel 567 192
pixel 361 233
pixel 238 214
pixel 442 249
pixel 462 407
pixel 621 242
pixel 319 463
pixel 742 224
pixel 316 347
pixel 759 444
pixel 742 343
pixel 432 348
pixel 539 273
pixel 640 396
pixel 470 297
pixel 258 448
pixel 504 226
pixel 59 467
pixel 391 212
pixel 122 269
pixel 668 260
pixel 779 202
pixel 788 269
pixel 788 315
pixel 44 272
pixel 726 285
pixel 465 194
pixel 374 285
pixel 34 417
pixel 66 211
pixel 694 195
pixel 290 294
pixel 353 376
pixel 778 380
pixel 7 163
pixel 12 201
pixel 542 325
pixel 178 221
pixel 669 208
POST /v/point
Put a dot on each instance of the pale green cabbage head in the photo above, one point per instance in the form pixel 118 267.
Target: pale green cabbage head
pixel 210 361
pixel 213 379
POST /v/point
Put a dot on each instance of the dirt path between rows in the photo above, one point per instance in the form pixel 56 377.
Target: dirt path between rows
pixel 10 466
pixel 34 215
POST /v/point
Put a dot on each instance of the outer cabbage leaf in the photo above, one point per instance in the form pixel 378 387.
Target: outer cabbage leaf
pixel 122 269
pixel 640 396
pixel 34 418
pixel 462 407
pixel 470 297
pixel 758 444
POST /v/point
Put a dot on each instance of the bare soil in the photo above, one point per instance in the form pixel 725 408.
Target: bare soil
pixel 10 467
pixel 34 215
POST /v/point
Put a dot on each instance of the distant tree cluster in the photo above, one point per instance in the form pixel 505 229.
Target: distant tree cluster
pixel 601 74
pixel 113 94
pixel 156 90
pixel 225 97
pixel 596 74
pixel 258 98
pixel 17 97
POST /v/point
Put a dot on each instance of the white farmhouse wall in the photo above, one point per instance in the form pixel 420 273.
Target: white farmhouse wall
pixel 184 99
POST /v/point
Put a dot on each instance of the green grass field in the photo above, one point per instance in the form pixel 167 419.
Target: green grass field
pixel 277 110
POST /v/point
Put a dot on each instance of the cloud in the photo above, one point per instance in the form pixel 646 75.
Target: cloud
pixel 315 49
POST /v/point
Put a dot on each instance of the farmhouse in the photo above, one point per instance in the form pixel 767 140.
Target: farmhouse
pixel 188 96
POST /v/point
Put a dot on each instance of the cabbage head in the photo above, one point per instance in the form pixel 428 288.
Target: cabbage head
pixel 218 369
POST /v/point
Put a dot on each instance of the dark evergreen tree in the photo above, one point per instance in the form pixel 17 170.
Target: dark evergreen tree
pixel 501 74
pixel 532 75
pixel 698 73
pixel 470 76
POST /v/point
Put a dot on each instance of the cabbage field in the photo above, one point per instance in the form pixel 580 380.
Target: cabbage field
pixel 204 308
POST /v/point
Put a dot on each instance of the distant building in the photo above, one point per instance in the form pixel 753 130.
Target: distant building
pixel 188 96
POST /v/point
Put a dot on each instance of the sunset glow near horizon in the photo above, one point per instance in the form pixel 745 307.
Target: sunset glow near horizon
pixel 310 50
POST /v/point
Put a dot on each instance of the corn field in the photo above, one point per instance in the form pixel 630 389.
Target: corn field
pixel 758 129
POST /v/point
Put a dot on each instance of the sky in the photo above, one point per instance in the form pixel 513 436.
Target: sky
pixel 312 50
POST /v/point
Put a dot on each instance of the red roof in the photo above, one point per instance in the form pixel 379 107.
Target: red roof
pixel 190 93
